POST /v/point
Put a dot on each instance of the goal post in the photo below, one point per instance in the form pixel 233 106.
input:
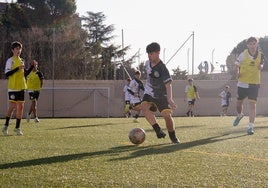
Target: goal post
pixel 74 102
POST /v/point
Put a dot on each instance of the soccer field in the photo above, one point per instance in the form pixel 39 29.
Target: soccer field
pixel 96 152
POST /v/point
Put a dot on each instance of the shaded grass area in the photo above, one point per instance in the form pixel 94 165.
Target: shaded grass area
pixel 96 152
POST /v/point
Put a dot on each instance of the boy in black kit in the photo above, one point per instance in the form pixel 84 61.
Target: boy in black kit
pixel 158 93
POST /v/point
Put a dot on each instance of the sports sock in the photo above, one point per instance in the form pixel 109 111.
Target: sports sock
pixel 18 123
pixel 156 127
pixel 172 135
pixel 7 121
pixel 192 113
pixel 188 113
pixel 250 125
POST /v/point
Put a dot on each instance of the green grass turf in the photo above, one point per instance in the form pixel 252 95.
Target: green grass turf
pixel 96 152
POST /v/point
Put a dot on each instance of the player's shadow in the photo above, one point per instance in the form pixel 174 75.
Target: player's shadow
pixel 179 127
pixel 176 147
pixel 69 157
pixel 86 126
pixel 136 151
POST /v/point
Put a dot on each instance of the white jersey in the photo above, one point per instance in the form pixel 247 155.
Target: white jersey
pixel 136 86
pixel 225 98
pixel 127 94
pixel 157 77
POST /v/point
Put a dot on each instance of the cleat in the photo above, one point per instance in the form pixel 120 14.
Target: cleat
pixel 160 134
pixel 36 120
pixel 4 130
pixel 175 141
pixel 237 120
pixel 250 131
pixel 18 131
pixel 28 117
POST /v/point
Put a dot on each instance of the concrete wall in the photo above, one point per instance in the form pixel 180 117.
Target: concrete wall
pixel 86 98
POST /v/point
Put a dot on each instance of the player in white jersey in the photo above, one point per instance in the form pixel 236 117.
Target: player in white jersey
pixel 226 97
pixel 127 96
pixel 135 88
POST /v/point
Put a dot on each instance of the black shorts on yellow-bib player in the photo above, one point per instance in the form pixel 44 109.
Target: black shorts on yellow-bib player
pixel 34 95
pixel 16 96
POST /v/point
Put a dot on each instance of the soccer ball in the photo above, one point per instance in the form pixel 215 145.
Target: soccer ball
pixel 137 135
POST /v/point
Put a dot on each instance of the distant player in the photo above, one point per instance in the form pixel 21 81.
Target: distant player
pixel 135 88
pixel 127 97
pixel 226 97
pixel 191 94
pixel 34 85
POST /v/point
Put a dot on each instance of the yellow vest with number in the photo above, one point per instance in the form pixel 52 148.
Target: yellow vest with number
pixel 250 69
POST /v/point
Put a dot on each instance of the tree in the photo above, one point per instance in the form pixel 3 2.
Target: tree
pixel 178 74
pixel 263 46
pixel 53 24
pixel 43 13
pixel 99 46
pixel 230 63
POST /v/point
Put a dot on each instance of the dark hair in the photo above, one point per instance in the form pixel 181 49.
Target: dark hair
pixel 15 44
pixel 138 72
pixel 153 47
pixel 252 39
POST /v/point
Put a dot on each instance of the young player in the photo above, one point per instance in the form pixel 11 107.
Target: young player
pixel 248 65
pixel 158 91
pixel 127 96
pixel 34 85
pixel 226 97
pixel 16 73
pixel 191 94
pixel 135 88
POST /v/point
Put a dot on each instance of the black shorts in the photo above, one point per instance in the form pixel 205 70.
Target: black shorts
pixel 161 103
pixel 34 95
pixel 16 95
pixel 191 102
pixel 251 92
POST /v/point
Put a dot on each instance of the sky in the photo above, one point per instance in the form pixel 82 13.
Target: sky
pixel 215 26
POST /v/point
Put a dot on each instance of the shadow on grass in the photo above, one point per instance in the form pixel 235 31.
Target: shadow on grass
pixel 70 157
pixel 137 151
pixel 176 147
pixel 84 126
pixel 178 128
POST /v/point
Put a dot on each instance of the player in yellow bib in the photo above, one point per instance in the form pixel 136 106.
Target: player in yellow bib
pixel 34 85
pixel 16 73
pixel 249 64
pixel 191 94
